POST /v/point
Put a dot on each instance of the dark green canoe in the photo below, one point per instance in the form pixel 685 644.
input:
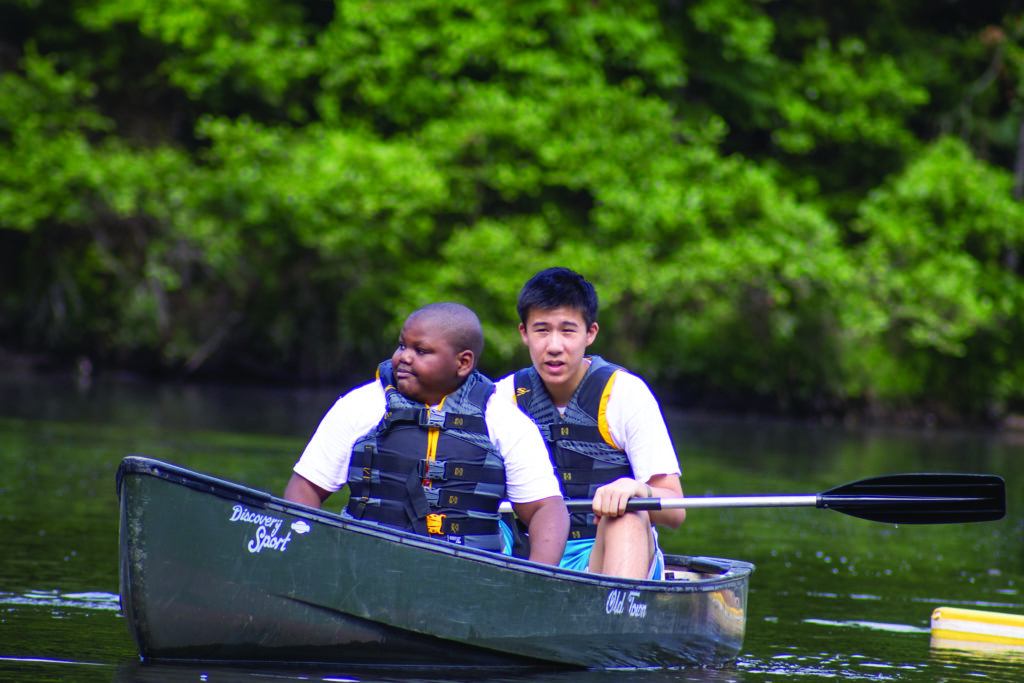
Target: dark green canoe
pixel 214 571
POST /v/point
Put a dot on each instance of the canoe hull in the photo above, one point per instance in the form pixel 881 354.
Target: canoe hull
pixel 211 570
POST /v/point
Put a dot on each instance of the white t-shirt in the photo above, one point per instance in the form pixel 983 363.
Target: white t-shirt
pixel 634 422
pixel 325 460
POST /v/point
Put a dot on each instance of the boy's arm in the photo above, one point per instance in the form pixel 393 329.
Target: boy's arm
pixel 326 457
pixel 610 500
pixel 303 491
pixel 638 426
pixel 667 486
pixel 548 522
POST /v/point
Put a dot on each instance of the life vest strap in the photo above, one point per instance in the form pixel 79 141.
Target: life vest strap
pixel 441 419
pixel 563 431
pixel 445 470
pixel 367 474
pixel 387 511
pixel 369 463
pixel 587 477
pixel 457 500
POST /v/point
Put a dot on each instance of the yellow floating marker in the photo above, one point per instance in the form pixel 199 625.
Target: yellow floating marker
pixel 976 629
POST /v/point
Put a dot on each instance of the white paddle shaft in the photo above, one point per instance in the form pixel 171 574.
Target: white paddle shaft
pixel 706 502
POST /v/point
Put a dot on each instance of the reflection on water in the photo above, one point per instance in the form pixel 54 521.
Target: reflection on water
pixel 173 406
pixel 782 667
pixel 832 597
pixel 152 673
pixel 56 599
pixel 892 628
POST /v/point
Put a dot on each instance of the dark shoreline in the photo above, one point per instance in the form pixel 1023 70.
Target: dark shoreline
pixel 80 374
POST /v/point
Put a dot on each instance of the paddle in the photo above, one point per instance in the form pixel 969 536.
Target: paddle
pixel 929 498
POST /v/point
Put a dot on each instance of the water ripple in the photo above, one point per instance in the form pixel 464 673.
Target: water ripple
pixel 90 600
pixel 873 625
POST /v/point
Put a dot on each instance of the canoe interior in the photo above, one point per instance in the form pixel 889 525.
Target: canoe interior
pixel 214 571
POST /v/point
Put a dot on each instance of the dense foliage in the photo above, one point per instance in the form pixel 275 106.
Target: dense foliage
pixel 795 205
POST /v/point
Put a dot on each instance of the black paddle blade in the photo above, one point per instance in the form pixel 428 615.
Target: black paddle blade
pixel 930 498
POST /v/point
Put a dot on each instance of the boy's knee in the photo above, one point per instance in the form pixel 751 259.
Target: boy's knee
pixel 637 523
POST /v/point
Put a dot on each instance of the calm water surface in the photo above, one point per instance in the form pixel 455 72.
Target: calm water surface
pixel 832 597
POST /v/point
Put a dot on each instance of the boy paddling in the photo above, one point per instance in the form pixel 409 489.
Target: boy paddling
pixel 428 448
pixel 604 429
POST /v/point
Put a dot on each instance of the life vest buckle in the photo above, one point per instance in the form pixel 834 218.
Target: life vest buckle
pixel 433 496
pixel 432 418
pixel 432 469
pixel 435 523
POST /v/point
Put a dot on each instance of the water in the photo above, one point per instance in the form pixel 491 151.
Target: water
pixel 832 597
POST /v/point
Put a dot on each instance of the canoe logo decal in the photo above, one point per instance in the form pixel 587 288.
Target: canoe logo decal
pixel 300 527
pixel 267 528
pixel 625 602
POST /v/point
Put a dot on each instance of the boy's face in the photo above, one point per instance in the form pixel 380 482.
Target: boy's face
pixel 557 339
pixel 425 365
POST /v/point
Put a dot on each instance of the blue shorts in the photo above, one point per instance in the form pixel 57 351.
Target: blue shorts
pixel 577 556
pixel 577 553
pixel 506 536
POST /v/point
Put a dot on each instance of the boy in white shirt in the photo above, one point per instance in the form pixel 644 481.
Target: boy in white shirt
pixel 603 426
pixel 428 448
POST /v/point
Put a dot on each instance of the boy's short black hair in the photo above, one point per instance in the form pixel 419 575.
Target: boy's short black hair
pixel 556 287
pixel 460 324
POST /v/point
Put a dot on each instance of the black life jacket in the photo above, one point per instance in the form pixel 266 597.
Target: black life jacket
pixel 579 442
pixel 433 471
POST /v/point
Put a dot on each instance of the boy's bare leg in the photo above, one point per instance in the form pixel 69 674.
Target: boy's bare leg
pixel 624 546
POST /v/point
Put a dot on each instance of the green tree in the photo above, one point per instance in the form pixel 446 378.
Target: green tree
pixel 770 196
pixel 940 259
